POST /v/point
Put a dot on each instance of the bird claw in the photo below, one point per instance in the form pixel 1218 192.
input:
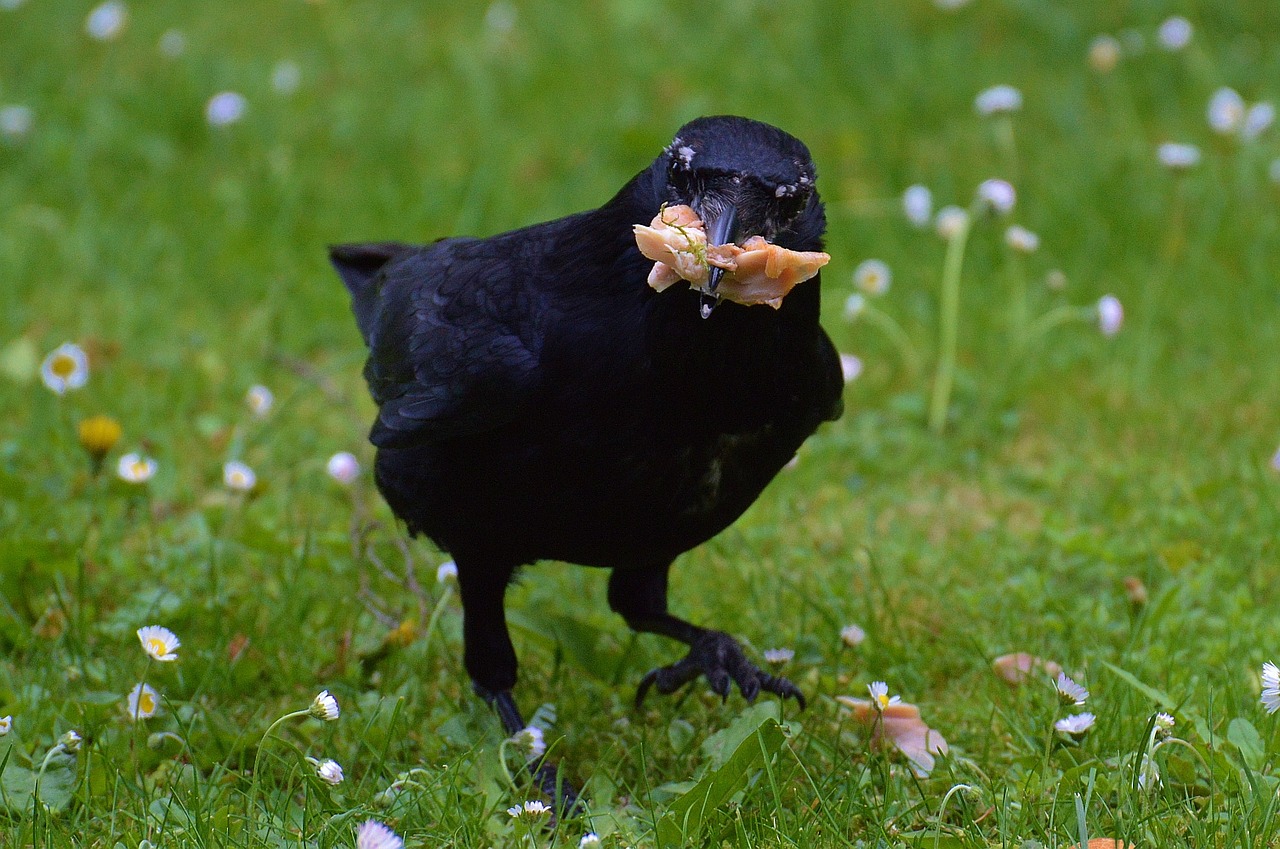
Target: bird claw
pixel 719 657
pixel 564 796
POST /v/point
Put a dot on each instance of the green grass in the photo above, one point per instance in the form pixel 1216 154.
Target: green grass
pixel 190 262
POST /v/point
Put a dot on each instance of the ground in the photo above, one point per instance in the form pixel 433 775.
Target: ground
pixel 1107 502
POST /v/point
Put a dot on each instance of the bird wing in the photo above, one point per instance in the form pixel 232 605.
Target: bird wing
pixel 453 347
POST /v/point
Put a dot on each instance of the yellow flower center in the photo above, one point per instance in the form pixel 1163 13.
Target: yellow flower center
pixel 882 700
pixel 63 366
pixel 157 647
pixel 146 704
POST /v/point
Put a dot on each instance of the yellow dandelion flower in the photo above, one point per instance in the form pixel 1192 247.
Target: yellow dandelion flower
pixel 98 435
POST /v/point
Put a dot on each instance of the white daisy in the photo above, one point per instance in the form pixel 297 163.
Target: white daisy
pixel 343 467
pixel 998 99
pixel 1275 460
pixel 501 16
pixel 172 44
pixel 590 840
pixel 873 277
pixel 447 571
pixel 1257 120
pixel 106 21
pixel 1076 724
pixel 917 204
pixel 949 221
pixel 880 698
pixel 531 741
pixel 330 772
pixel 1021 239
pixel 70 742
pixel 325 706
pixel 1175 33
pixel 16 120
pixel 997 195
pixel 372 834
pixel 1270 687
pixel 530 810
pixel 260 400
pixel 135 468
pixel 159 642
pixel 779 656
pixel 1104 54
pixel 950 5
pixel 224 108
pixel 852 636
pixel 854 306
pixel 1163 724
pixel 67 367
pixel 6 725
pixel 238 476
pixel 1110 315
pixel 1069 691
pixel 1226 111
pixel 1178 157
pixel 850 367
pixel 286 76
pixel 144 702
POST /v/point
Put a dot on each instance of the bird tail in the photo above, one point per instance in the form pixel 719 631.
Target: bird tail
pixel 358 265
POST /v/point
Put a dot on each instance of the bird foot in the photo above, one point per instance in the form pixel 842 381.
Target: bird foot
pixel 719 657
pixel 564 796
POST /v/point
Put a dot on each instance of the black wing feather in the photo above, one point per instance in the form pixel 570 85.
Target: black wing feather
pixel 453 347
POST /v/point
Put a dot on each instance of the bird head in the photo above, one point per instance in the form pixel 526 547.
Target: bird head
pixel 744 178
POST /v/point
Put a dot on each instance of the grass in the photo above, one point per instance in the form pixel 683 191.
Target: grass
pixel 189 262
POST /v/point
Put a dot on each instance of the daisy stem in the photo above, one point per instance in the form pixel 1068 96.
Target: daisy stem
pixel 137 709
pixel 896 335
pixel 942 807
pixel 1018 307
pixel 948 327
pixel 1055 317
pixel 502 761
pixel 257 758
pixel 44 764
pixel 435 617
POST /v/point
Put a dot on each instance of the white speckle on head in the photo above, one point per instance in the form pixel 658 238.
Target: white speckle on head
pixel 685 154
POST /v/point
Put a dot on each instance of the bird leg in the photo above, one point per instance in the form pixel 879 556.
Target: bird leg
pixel 490 660
pixel 640 596
pixel 546 775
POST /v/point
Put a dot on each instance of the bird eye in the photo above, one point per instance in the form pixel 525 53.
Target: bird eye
pixel 791 201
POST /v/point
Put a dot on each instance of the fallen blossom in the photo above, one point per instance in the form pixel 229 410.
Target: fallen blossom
pixel 1015 668
pixel 900 725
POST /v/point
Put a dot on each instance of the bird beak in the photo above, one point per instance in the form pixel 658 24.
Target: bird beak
pixel 721 231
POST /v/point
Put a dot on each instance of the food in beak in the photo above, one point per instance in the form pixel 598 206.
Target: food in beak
pixel 757 272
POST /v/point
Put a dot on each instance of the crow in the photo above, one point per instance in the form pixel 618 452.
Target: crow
pixel 537 400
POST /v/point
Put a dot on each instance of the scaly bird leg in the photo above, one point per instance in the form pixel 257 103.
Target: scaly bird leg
pixel 640 596
pixel 490 660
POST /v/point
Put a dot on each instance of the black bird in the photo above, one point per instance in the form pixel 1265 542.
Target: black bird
pixel 539 401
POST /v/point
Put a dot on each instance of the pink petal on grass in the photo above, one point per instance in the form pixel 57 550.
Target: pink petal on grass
pixel 1015 668
pixel 900 724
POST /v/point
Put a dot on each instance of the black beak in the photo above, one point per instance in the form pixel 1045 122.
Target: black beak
pixel 721 232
